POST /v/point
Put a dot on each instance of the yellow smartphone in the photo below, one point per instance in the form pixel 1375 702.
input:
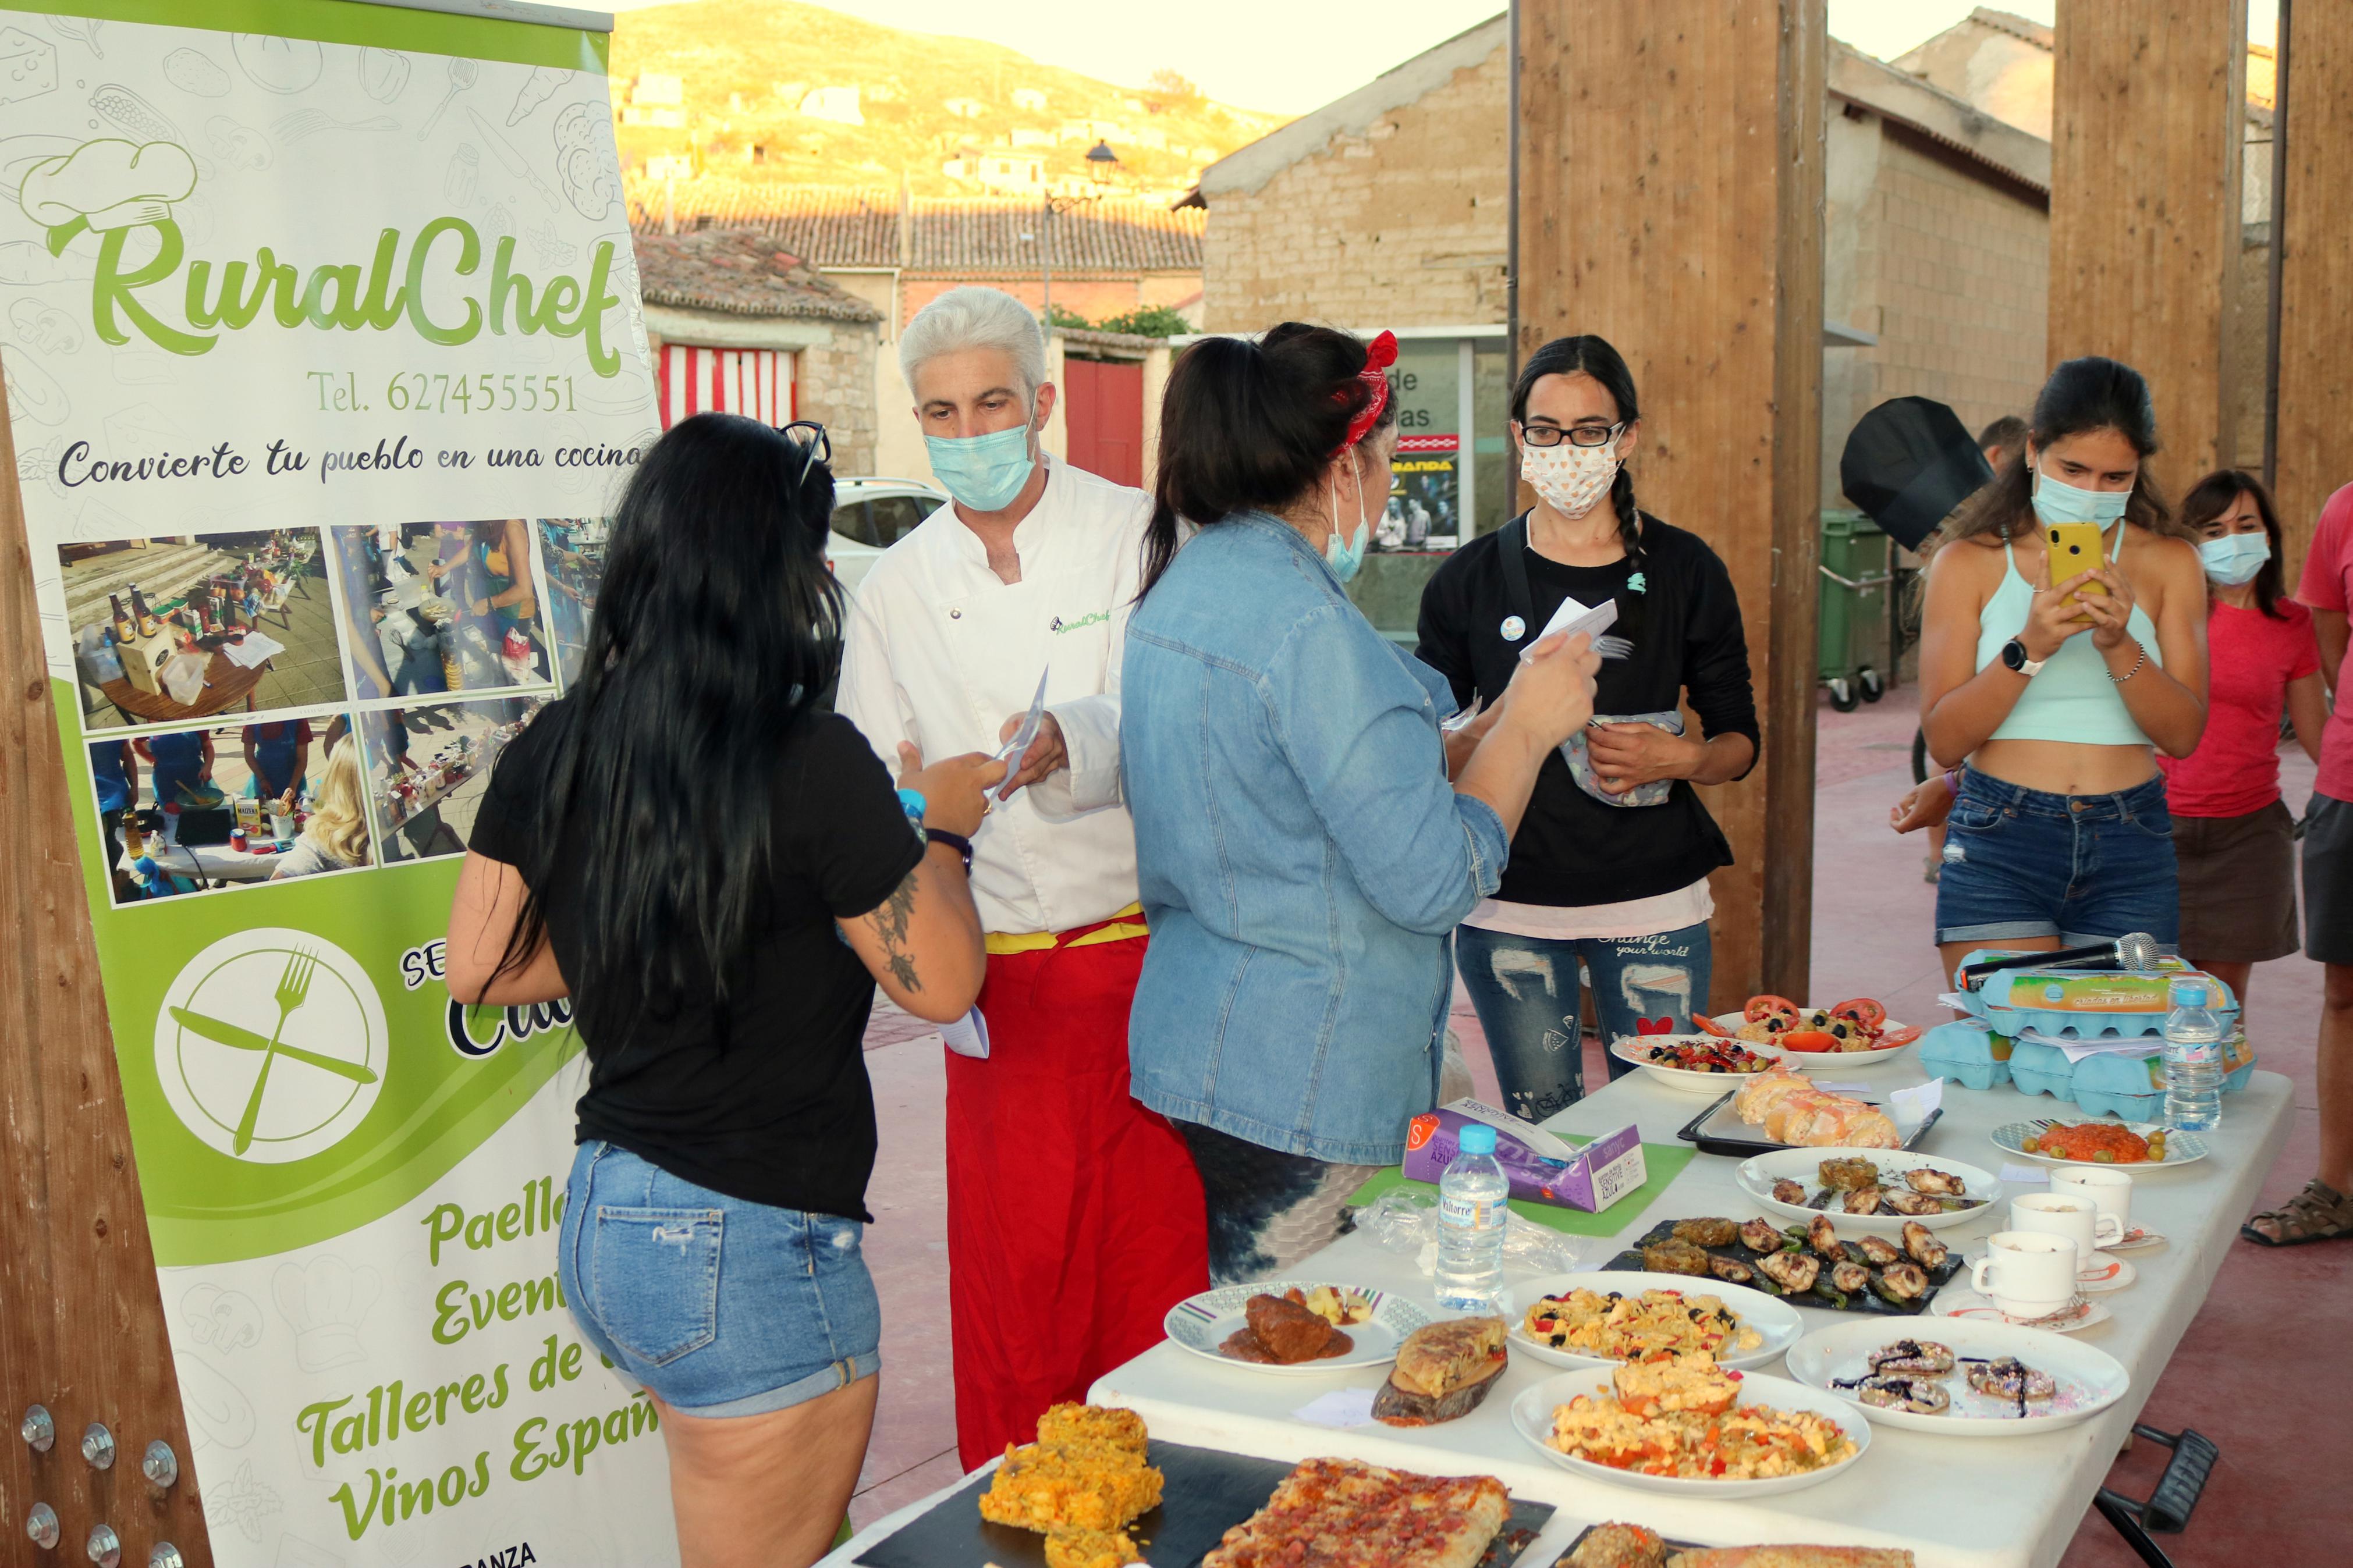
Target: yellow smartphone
pixel 2076 549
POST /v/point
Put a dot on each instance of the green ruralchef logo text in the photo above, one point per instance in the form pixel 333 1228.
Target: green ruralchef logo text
pixel 114 188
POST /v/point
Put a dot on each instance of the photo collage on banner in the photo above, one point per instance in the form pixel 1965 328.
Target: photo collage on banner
pixel 325 365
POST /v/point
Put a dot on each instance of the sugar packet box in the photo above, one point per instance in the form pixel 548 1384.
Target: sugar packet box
pixel 1540 1167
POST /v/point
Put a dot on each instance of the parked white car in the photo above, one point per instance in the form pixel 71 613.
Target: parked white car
pixel 869 515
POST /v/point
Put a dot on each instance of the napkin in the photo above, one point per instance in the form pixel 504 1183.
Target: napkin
pixel 2024 1175
pixel 1573 617
pixel 1911 1104
pixel 1342 1408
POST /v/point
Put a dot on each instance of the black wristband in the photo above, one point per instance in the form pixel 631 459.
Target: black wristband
pixel 955 841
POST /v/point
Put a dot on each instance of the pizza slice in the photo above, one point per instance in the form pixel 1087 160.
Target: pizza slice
pixel 1343 1514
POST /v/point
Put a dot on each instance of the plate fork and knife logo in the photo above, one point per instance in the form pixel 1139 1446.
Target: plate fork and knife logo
pixel 293 992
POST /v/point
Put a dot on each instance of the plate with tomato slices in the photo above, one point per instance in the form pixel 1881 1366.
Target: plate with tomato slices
pixel 1696 1064
pixel 1856 1033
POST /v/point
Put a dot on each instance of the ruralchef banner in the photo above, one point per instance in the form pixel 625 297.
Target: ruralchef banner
pixel 324 361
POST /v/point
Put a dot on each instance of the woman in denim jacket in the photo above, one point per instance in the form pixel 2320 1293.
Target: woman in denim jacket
pixel 1301 853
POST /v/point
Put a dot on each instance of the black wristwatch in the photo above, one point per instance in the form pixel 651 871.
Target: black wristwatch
pixel 2013 653
pixel 955 841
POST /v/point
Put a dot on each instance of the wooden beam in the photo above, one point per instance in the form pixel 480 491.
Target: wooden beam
pixel 2148 116
pixel 2311 216
pixel 1670 200
pixel 81 1315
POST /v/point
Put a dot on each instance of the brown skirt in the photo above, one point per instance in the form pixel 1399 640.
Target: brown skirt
pixel 2238 886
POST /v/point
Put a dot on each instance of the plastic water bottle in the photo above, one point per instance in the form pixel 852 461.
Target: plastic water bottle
pixel 2193 1059
pixel 1470 1219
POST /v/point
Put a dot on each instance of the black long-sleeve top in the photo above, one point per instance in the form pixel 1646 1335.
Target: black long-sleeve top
pixel 1684 621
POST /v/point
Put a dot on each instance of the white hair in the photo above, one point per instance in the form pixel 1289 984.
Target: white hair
pixel 975 318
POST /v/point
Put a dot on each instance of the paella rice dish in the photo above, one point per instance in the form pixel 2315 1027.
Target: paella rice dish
pixel 1639 1328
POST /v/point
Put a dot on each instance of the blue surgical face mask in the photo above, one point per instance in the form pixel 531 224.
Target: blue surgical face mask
pixel 2236 558
pixel 983 472
pixel 2057 502
pixel 1346 559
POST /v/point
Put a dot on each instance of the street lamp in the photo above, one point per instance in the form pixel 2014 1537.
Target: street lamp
pixel 1101 162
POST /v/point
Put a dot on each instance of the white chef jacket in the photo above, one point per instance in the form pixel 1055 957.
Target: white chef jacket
pixel 940 652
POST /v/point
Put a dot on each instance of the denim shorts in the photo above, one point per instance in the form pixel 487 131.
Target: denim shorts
pixel 719 1306
pixel 2081 868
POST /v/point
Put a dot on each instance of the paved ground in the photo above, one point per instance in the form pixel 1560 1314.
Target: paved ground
pixel 2261 1371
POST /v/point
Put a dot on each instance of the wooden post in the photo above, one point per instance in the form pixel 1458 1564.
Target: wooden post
pixel 1670 200
pixel 81 1318
pixel 2148 119
pixel 2310 215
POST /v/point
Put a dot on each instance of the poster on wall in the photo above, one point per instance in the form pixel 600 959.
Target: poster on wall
pixel 324 361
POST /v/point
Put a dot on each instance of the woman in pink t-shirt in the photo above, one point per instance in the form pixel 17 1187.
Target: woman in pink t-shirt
pixel 2233 838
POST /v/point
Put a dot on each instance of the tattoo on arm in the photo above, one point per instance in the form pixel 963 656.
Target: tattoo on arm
pixel 891 922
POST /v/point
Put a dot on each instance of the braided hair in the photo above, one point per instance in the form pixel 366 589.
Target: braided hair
pixel 1592 354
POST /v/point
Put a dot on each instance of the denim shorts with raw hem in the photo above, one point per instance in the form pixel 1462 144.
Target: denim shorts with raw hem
pixel 2082 867
pixel 719 1306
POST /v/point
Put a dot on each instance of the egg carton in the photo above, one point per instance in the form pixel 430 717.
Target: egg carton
pixel 2080 1003
pixel 2128 1084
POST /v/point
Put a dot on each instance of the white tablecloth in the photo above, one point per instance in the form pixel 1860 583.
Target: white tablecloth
pixel 210 862
pixel 1955 1502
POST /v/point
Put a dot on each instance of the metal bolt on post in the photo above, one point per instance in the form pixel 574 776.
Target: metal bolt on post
pixel 41 1526
pixel 105 1547
pixel 38 1430
pixel 159 1464
pixel 98 1447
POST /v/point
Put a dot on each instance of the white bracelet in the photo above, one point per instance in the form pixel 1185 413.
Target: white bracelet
pixel 2129 674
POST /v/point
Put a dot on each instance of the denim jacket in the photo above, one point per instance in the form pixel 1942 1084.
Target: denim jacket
pixel 1301 854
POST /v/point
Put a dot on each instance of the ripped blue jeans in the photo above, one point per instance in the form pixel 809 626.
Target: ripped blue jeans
pixel 1525 990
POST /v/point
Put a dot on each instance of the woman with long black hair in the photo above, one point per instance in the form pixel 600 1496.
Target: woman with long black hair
pixel 2058 686
pixel 1609 867
pixel 717 874
pixel 1300 852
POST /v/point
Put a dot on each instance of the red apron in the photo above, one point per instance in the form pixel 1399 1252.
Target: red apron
pixel 1075 1217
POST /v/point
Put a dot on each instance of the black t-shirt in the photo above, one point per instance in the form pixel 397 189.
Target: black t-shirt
pixel 769 1103
pixel 1684 622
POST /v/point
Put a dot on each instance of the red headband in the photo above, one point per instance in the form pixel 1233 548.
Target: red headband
pixel 1379 354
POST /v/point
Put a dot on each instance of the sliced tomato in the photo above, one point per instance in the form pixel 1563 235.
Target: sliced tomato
pixel 1808 1041
pixel 1861 1010
pixel 1760 1008
pixel 1710 1027
pixel 1892 1038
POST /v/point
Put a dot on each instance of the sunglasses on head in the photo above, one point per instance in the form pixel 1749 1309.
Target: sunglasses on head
pixel 815 445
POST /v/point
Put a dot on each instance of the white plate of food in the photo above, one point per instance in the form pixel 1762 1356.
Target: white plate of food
pixel 1962 1377
pixel 1792 1184
pixel 1696 1064
pixel 1853 1034
pixel 1362 1327
pixel 1618 1419
pixel 1746 1328
pixel 1967 1306
pixel 2128 1145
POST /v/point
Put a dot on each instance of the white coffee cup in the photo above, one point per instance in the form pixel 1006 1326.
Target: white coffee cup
pixel 2026 1273
pixel 2110 1191
pixel 2070 1214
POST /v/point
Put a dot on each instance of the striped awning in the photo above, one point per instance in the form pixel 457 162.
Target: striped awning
pixel 755 382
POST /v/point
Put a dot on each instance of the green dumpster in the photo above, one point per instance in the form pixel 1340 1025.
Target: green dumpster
pixel 1856 585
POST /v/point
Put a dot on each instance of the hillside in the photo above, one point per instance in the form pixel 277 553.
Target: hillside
pixel 771 88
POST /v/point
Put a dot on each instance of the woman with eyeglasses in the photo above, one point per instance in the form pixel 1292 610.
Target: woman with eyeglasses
pixel 718 874
pixel 1608 869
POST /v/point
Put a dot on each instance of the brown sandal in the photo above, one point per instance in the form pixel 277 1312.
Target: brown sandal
pixel 2319 1213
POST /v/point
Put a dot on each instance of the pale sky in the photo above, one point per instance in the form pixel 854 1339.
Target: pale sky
pixel 1292 56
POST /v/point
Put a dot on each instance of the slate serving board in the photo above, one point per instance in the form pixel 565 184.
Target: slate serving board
pixel 1867 1302
pixel 1718 1129
pixel 1209 1492
pixel 1672 1543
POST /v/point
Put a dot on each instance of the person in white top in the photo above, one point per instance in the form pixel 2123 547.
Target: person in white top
pixel 1075 1216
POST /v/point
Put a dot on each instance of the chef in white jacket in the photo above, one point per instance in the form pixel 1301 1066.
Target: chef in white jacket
pixel 1075 1217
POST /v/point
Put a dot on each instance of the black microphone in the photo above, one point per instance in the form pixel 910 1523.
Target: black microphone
pixel 2136 951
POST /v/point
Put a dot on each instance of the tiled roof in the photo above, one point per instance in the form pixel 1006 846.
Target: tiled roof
pixel 833 228
pixel 741 271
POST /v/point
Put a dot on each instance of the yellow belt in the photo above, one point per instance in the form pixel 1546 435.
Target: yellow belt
pixel 1120 929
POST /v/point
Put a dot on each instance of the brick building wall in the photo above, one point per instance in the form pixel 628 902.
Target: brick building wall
pixel 1404 224
pixel 1947 263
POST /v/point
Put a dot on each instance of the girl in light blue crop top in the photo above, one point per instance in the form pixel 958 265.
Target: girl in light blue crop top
pixel 2073 697
pixel 2048 699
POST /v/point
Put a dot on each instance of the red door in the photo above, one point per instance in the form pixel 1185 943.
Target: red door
pixel 1103 414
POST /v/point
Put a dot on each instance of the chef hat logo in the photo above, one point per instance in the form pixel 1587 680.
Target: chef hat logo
pixel 326 1301
pixel 104 184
